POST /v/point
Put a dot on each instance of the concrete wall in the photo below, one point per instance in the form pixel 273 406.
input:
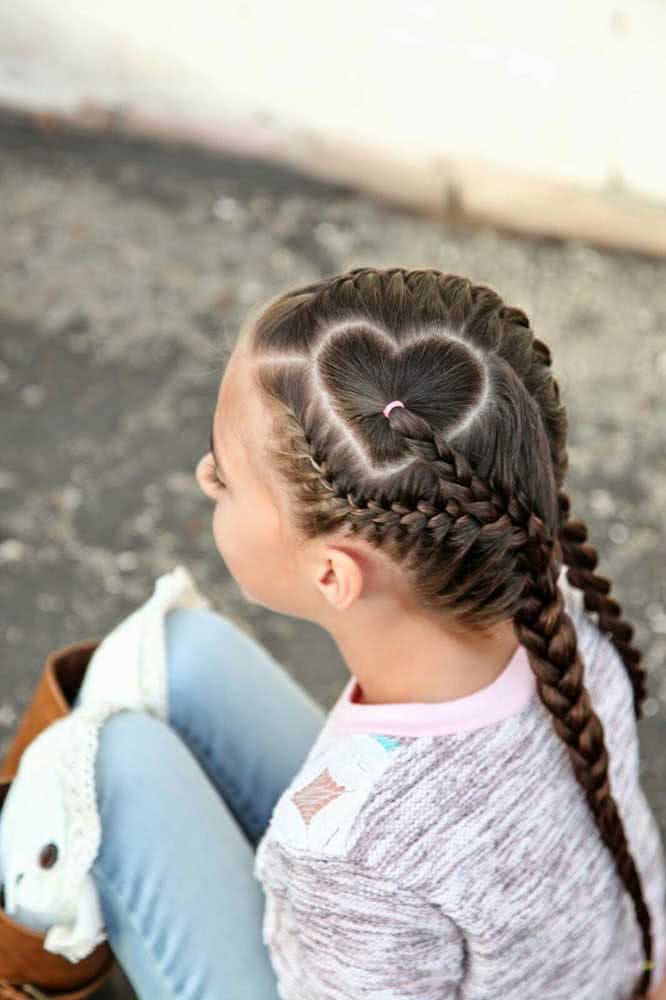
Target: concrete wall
pixel 431 104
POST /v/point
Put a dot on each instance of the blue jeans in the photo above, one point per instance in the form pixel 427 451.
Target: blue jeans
pixel 183 806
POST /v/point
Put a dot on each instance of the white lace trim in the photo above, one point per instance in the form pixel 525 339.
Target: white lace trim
pixel 172 590
pixel 76 771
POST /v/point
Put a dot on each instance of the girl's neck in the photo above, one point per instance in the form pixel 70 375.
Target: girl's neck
pixel 418 662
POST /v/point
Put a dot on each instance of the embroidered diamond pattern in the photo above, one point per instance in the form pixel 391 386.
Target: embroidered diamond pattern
pixel 313 797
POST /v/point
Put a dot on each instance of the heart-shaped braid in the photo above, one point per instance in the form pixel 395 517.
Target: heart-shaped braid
pixel 459 478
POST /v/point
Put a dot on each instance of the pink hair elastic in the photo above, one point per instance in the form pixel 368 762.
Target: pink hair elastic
pixel 389 406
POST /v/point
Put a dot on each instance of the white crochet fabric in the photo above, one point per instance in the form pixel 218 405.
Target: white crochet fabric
pixel 52 799
pixel 129 666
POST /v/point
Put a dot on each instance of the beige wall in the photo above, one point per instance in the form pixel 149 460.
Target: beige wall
pixel 568 92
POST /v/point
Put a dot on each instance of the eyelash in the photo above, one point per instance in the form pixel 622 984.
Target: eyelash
pixel 212 477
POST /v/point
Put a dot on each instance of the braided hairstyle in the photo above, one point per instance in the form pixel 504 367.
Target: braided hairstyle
pixel 462 486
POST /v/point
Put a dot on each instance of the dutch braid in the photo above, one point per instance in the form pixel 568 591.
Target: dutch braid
pixel 582 558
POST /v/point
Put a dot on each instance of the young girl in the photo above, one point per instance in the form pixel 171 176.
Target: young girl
pixel 388 454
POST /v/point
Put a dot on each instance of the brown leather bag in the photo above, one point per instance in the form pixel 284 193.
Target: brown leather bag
pixel 27 970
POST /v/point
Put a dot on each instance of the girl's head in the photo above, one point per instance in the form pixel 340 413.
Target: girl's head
pixel 281 541
pixel 453 507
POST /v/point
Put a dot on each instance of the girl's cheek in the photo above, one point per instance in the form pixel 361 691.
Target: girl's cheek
pixel 218 525
pixel 230 547
pixel 224 530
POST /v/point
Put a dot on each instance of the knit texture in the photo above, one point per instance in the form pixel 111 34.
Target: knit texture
pixel 462 862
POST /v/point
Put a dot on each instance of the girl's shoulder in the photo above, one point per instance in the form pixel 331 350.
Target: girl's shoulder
pixel 357 795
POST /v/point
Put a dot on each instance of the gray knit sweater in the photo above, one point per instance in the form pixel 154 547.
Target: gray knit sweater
pixel 446 851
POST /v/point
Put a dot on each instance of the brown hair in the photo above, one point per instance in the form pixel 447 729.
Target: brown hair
pixel 462 486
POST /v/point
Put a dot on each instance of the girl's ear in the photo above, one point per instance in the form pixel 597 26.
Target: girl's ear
pixel 339 577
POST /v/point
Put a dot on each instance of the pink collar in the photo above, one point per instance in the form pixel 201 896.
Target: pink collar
pixel 507 695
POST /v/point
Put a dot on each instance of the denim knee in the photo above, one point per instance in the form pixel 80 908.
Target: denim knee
pixel 137 758
pixel 132 747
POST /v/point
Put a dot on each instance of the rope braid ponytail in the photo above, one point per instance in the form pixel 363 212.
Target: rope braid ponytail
pixel 481 529
pixel 582 558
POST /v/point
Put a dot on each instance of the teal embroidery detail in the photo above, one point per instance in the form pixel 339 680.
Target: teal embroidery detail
pixel 388 742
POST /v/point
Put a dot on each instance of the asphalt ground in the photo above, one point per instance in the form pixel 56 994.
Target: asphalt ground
pixel 126 266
